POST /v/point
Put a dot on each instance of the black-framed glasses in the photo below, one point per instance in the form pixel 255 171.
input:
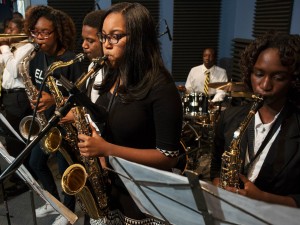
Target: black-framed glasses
pixel 44 33
pixel 112 38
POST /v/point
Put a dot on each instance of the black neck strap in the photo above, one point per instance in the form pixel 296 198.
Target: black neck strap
pixel 113 95
pixel 270 134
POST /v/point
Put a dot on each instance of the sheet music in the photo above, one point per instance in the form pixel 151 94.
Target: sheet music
pixel 164 194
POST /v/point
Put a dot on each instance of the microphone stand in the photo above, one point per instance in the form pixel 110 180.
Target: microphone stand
pixel 163 33
pixel 52 122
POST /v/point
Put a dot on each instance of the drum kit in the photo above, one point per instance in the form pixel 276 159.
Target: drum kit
pixel 200 118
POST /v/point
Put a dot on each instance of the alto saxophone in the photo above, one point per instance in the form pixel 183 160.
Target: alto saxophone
pixel 51 142
pixel 88 181
pixel 231 161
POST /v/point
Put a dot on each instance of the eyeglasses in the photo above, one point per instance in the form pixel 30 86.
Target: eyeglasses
pixel 112 38
pixel 44 34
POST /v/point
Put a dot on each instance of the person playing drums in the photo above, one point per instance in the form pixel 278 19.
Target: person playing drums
pixel 197 77
pixel 197 85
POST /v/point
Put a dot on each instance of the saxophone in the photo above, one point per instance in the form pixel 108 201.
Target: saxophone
pixel 86 179
pixel 71 134
pixel 231 161
pixel 74 179
pixel 51 142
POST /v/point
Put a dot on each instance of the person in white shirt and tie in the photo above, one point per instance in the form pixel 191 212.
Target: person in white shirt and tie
pixel 196 79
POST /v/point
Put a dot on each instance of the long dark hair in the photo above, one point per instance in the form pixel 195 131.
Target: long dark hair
pixel 288 46
pixel 142 66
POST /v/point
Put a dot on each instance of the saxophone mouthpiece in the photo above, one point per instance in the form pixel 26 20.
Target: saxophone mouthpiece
pixel 103 60
pixel 258 102
pixel 79 57
pixel 100 60
pixel 257 97
pixel 36 46
pixel 105 57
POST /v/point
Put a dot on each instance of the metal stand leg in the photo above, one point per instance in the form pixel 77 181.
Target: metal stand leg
pixel 5 202
pixel 32 207
pixel 199 197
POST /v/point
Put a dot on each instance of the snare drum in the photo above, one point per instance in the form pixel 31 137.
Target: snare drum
pixel 192 104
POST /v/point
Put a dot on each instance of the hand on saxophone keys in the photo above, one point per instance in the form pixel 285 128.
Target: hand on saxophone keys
pixel 250 190
pixel 69 118
pixel 46 101
pixel 92 146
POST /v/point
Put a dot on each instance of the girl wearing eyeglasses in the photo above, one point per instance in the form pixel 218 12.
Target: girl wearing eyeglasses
pixel 143 104
pixel 54 31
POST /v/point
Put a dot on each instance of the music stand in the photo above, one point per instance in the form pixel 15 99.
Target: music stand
pixel 33 184
pixel 169 197
pixel 6 130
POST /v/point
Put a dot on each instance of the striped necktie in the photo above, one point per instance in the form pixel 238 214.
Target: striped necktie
pixel 206 82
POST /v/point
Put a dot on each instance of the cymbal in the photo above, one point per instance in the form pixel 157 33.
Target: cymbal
pixel 228 86
pixel 241 94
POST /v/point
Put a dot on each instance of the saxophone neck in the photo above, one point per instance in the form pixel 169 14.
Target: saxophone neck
pixel 98 64
pixel 58 97
pixel 58 64
pixel 258 103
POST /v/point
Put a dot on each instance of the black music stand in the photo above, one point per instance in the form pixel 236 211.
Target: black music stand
pixel 7 131
pixel 199 197
pixel 169 197
pixel 15 165
pixel 34 186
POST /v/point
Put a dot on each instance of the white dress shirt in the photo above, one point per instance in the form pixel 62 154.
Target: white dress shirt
pixel 98 80
pixel 196 79
pixel 11 78
pixel 260 131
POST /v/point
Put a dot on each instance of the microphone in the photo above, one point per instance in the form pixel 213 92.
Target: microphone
pixel 168 31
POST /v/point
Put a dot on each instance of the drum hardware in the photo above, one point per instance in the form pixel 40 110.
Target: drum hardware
pixel 229 86
pixel 190 143
pixel 182 163
pixel 193 156
pixel 197 141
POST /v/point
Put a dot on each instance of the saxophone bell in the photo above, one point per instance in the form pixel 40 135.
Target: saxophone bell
pixel 50 143
pixel 74 179
pixel 24 127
